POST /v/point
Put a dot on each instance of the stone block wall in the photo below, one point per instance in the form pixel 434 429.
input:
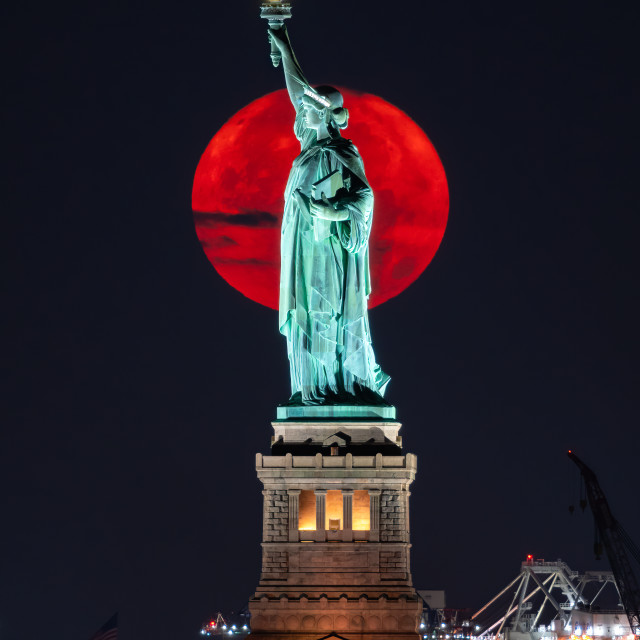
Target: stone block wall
pixel 393 561
pixel 275 516
pixel 393 523
pixel 275 564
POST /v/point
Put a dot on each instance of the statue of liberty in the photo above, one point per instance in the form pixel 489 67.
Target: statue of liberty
pixel 324 277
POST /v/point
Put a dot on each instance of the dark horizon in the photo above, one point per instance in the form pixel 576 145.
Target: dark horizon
pixel 140 385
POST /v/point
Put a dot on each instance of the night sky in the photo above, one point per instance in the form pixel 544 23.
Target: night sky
pixel 139 385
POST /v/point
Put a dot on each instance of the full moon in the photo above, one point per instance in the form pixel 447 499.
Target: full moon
pixel 238 194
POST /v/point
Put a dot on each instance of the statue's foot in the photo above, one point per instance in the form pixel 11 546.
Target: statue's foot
pixel 295 400
pixel 367 396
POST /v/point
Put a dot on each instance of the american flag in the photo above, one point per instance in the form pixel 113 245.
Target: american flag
pixel 108 631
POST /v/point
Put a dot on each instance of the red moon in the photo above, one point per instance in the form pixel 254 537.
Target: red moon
pixel 238 194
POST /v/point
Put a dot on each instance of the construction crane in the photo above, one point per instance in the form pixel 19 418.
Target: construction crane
pixel 616 543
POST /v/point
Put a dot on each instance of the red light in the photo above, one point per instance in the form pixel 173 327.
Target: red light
pixel 529 557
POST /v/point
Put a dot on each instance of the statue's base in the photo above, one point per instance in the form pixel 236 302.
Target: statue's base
pixel 336 412
pixel 335 544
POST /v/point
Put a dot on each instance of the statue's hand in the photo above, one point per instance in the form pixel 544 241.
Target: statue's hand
pixel 324 210
pixel 319 209
pixel 279 36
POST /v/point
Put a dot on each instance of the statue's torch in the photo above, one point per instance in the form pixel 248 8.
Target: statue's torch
pixel 276 12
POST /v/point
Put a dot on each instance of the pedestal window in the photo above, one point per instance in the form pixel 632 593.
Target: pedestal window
pixel 307 511
pixel 361 511
pixel 334 511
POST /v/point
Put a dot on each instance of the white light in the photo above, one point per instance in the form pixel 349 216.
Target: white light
pixel 443 625
pixel 477 627
pixel 230 632
pixel 233 626
pixel 316 96
pixel 422 625
pixel 244 626
pixel 224 626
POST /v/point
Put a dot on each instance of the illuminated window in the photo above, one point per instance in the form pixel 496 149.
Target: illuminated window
pixel 307 511
pixel 334 510
pixel 361 511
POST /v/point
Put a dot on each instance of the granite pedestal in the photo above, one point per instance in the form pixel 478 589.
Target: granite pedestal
pixel 335 544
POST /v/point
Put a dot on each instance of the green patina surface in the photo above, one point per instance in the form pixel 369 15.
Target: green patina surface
pixel 347 412
pixel 324 280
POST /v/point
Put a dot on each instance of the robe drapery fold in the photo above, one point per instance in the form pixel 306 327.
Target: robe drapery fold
pixel 324 278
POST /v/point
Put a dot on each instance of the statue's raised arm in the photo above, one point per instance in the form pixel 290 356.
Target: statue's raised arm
pixel 296 82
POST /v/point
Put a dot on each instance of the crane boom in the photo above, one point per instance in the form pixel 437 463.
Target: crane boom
pixel 614 543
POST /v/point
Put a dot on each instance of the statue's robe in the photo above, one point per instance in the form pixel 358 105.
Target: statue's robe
pixel 325 281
